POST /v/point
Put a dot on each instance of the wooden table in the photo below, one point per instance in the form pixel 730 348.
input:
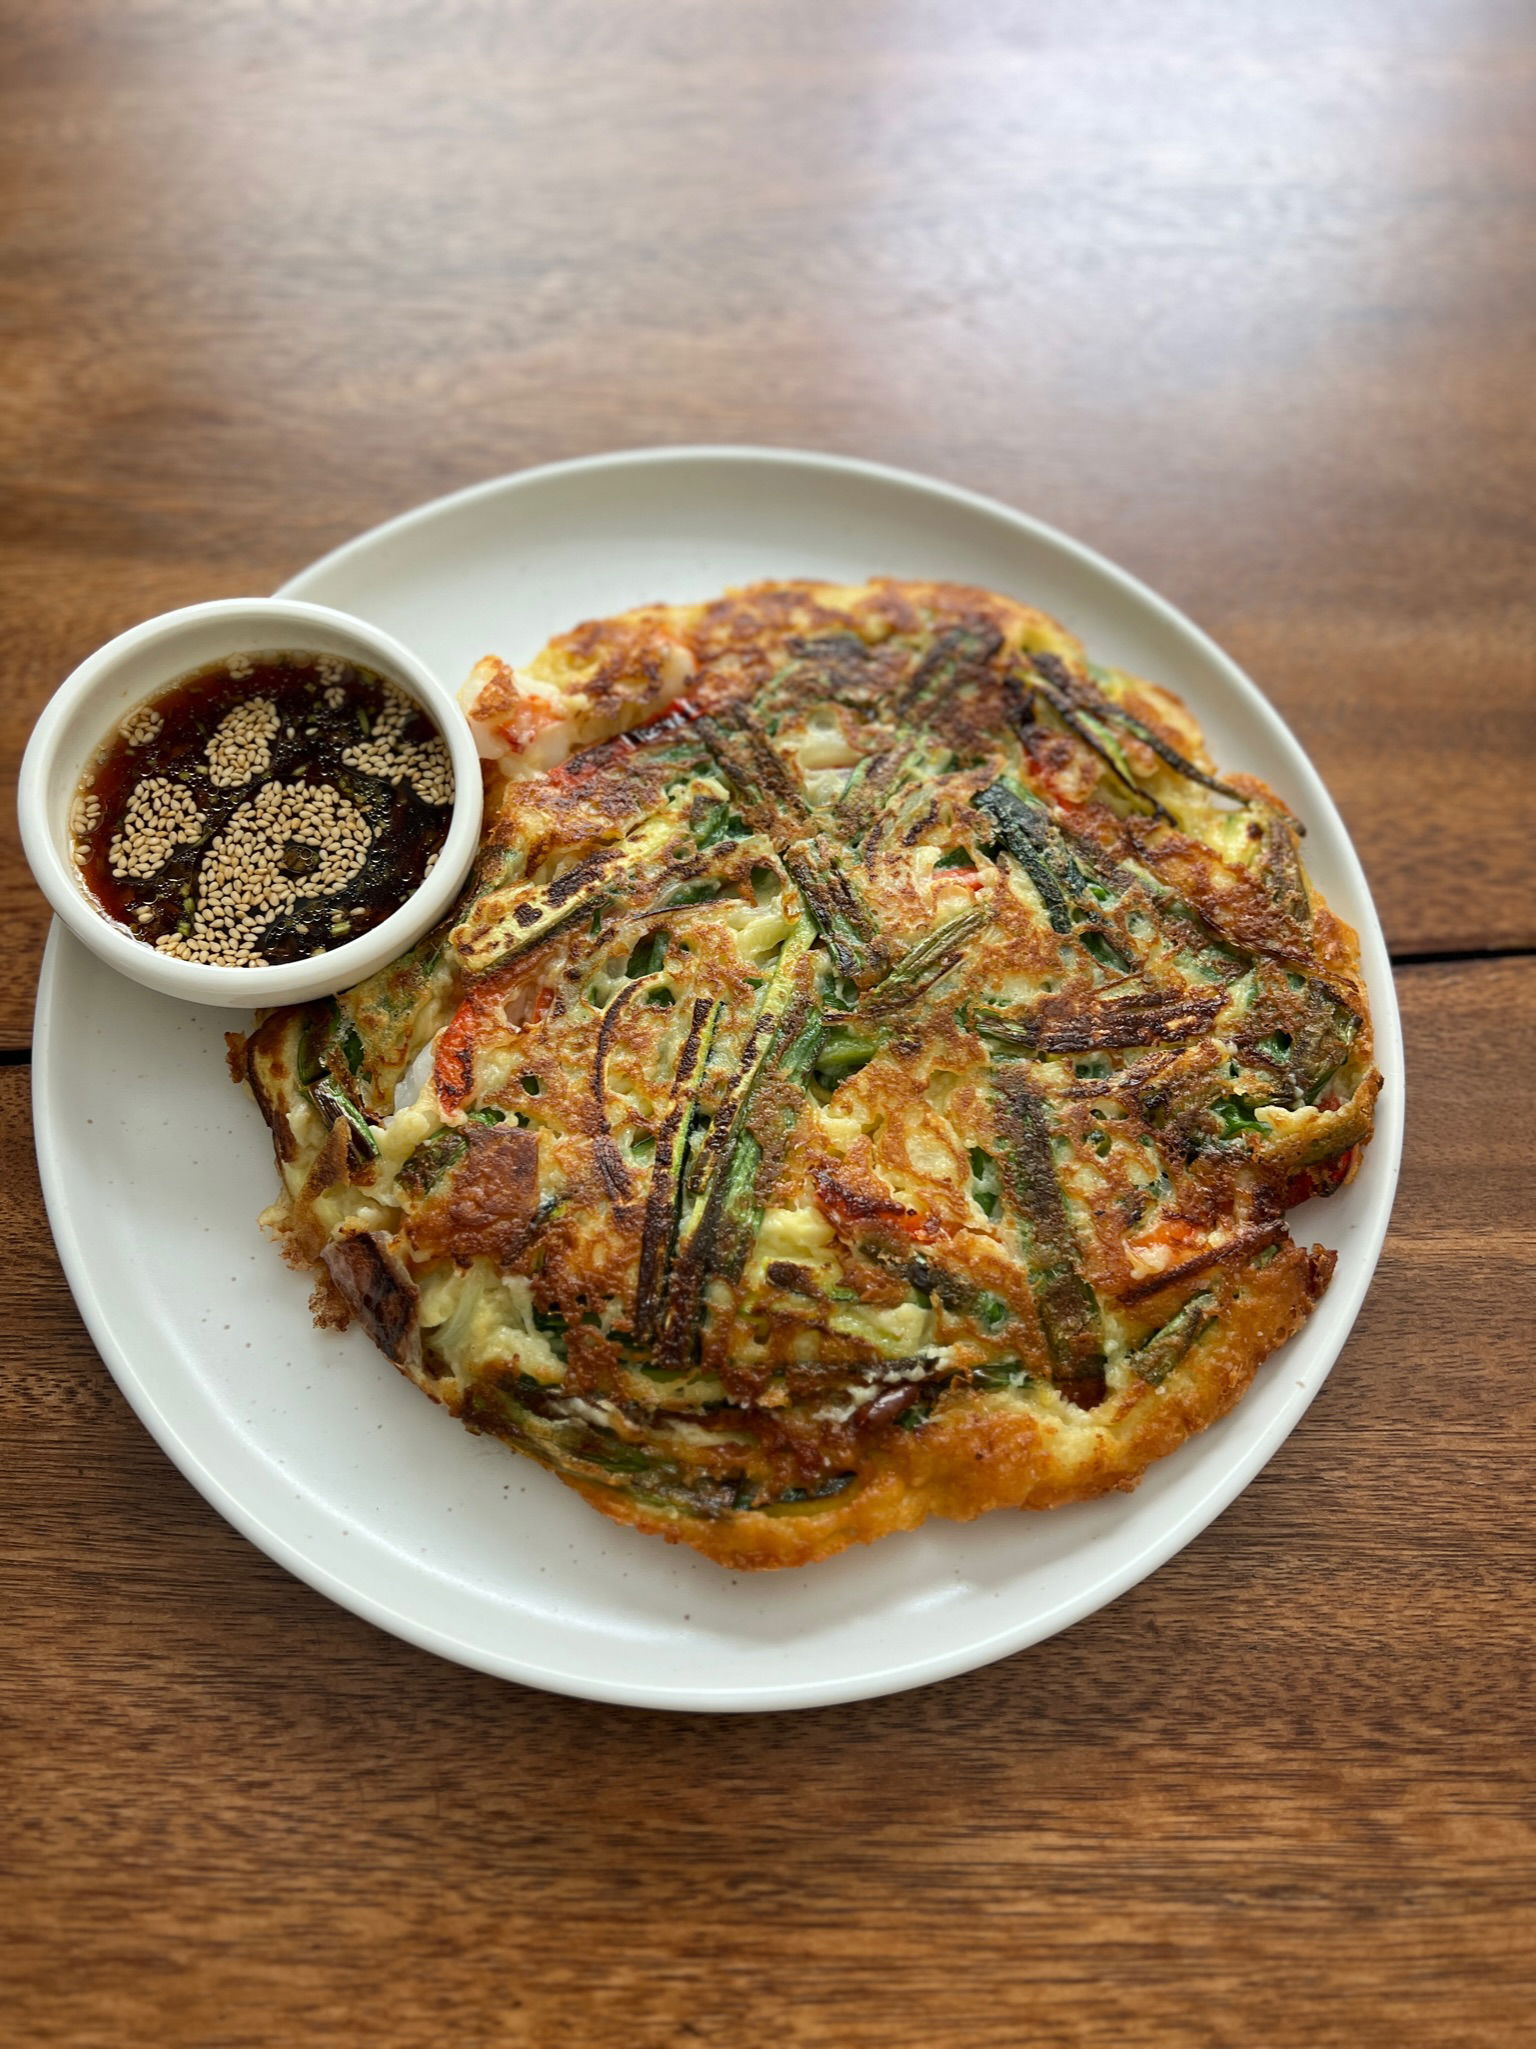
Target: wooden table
pixel 1244 295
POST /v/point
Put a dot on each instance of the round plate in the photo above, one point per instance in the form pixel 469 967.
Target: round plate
pixel 155 1168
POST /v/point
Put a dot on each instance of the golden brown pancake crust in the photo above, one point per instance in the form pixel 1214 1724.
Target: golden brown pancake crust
pixel 864 1079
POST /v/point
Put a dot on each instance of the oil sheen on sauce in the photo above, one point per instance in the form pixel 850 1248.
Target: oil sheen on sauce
pixel 263 809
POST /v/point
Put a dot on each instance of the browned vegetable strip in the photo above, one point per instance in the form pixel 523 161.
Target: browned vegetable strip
pixel 610 1161
pixel 660 1225
pixel 719 1179
pixel 1253 1239
pixel 769 794
pixel 831 902
pixel 1110 755
pixel 1082 693
pixel 1117 1022
pixel 1166 1348
pixel 954 652
pixel 922 965
pixel 1069 1309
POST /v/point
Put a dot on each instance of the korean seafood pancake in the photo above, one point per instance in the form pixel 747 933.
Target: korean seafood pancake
pixel 864 1079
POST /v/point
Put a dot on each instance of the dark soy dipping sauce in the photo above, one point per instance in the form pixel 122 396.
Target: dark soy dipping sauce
pixel 263 809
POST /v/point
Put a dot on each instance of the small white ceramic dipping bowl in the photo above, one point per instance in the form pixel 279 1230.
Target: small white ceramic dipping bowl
pixel 140 664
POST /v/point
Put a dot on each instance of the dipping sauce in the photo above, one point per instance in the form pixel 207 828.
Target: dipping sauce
pixel 263 809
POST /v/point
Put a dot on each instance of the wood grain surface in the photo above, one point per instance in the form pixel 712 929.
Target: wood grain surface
pixel 1246 297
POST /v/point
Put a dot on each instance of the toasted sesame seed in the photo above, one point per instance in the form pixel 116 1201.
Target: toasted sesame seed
pixel 425 764
pixel 240 747
pixel 243 888
pixel 141 726
pixel 139 849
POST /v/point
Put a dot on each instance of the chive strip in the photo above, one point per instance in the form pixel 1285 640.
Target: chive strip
pixel 831 902
pixel 1155 1359
pixel 955 650
pixel 1118 1022
pixel 332 1103
pixel 1086 698
pixel 1323 1040
pixel 1068 1307
pixel 923 964
pixel 1284 876
pixel 324 1070
pixel 868 789
pixel 782 1034
pixel 432 1159
pixel 1099 742
pixel 741 1212
pixel 505 925
pixel 769 793
pixel 659 1229
pixel 844 1051
pixel 1027 831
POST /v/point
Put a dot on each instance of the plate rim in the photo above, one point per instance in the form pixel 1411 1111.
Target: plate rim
pixel 1225 1486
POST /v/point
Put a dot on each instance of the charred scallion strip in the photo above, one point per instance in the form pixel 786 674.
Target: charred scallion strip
pixel 828 647
pixel 1025 829
pixel 1284 876
pixel 1154 1360
pixel 431 1160
pixel 831 902
pixel 1025 847
pixel 1117 1022
pixel 806 1499
pixel 325 1072
pixel 1099 946
pixel 332 1102
pixel 844 1050
pixel 505 925
pixel 868 789
pixel 773 805
pixel 920 1272
pixel 1084 695
pixel 1323 1040
pixel 317 1024
pixel 660 1225
pixel 1068 1307
pixel 741 1211
pixel 922 965
pixel 610 1161
pixel 1251 1238
pixel 497 933
pixel 687 896
pixel 770 797
pixel 740 1215
pixel 783 1032
pixel 1091 732
pixel 956 650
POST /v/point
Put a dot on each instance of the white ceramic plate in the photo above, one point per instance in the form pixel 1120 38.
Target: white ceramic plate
pixel 155 1167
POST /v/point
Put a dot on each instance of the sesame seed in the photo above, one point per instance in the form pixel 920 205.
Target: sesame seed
pixel 160 815
pixel 240 748
pixel 244 887
pixel 141 726
pixel 425 764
